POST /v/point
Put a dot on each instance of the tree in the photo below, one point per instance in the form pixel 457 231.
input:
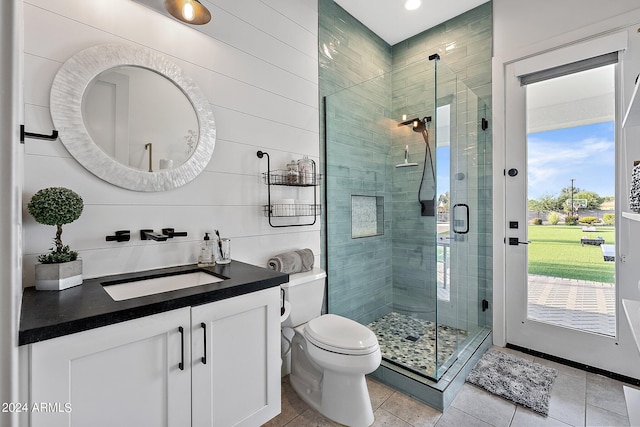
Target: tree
pixel 567 191
pixel 535 206
pixel 443 202
pixel 565 194
pixel 546 203
pixel 593 200
pixel 56 206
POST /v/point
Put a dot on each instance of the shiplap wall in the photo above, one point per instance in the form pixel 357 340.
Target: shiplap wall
pixel 256 64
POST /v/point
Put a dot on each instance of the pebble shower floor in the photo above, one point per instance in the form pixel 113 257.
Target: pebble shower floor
pixel 411 342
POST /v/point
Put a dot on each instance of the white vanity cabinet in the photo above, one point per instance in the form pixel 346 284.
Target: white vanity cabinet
pixel 152 371
pixel 125 374
pixel 239 385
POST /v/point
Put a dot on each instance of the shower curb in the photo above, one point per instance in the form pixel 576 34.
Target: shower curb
pixel 440 394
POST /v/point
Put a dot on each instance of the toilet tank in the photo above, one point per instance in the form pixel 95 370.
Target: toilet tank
pixel 305 293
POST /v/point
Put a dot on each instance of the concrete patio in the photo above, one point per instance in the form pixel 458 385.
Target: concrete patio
pixel 578 304
pixel 571 303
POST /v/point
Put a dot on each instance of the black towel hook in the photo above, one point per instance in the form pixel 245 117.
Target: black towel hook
pixel 23 135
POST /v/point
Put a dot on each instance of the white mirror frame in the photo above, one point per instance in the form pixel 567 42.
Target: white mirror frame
pixel 68 88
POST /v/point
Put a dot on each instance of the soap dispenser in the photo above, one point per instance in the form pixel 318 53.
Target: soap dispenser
pixel 206 252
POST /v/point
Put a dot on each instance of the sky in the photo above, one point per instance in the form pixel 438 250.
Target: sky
pixel 585 153
pixel 443 168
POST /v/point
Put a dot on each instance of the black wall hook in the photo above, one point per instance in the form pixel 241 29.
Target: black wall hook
pixel 23 135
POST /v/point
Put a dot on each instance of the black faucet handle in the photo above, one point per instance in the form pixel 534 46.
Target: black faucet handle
pixel 119 236
pixel 170 233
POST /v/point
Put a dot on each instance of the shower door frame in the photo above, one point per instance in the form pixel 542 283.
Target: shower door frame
pixel 469 130
pixel 462 205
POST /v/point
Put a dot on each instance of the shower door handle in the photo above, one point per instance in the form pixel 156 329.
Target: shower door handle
pixel 466 222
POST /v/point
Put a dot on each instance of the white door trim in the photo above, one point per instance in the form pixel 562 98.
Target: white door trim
pixel 571 344
pixel 11 154
pixel 625 353
pixel 572 53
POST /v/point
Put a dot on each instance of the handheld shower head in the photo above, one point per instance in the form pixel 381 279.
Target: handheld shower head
pixel 427 206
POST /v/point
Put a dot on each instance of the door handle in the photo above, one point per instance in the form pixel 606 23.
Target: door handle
pixel 466 224
pixel 514 241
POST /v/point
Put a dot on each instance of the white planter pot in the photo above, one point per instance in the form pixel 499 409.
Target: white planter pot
pixel 56 277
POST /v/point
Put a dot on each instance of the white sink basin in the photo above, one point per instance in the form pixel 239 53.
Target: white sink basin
pixel 141 287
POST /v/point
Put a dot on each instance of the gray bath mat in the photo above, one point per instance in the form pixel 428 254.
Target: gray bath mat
pixel 513 378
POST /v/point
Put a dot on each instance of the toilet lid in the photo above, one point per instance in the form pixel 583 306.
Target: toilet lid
pixel 340 335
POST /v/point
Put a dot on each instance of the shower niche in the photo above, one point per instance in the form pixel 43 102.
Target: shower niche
pixel 367 216
pixel 414 139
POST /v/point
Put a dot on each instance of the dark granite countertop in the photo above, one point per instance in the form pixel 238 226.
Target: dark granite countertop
pixel 50 314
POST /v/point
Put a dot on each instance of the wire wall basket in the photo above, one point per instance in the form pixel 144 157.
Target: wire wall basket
pixel 290 210
pixel 283 177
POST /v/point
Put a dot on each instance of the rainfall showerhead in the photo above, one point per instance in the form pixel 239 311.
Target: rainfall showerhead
pixel 416 124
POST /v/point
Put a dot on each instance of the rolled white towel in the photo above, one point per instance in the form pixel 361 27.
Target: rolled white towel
pixel 307 258
pixel 296 261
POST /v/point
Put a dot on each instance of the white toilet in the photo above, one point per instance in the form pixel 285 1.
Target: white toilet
pixel 330 354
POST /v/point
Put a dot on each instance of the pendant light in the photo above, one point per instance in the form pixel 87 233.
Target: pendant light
pixel 188 11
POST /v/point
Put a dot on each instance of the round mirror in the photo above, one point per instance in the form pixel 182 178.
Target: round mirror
pixel 132 118
pixel 140 119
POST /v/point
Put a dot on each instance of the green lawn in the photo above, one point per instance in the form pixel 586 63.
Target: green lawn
pixel 555 250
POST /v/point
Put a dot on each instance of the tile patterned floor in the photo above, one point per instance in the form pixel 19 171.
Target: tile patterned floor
pixel 573 303
pixel 578 398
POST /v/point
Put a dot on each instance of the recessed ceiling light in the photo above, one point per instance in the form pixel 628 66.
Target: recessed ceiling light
pixel 412 4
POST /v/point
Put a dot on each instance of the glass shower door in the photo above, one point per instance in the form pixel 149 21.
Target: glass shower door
pixel 460 142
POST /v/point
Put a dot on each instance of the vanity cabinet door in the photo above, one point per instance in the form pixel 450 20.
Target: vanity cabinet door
pixel 236 382
pixel 125 374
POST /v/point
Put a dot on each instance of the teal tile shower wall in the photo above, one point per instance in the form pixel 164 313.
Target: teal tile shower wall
pixel 359 270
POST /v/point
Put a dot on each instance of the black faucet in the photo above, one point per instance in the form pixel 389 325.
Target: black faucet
pixel 147 234
pixel 171 233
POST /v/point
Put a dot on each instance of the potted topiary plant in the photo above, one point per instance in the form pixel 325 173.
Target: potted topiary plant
pixel 60 268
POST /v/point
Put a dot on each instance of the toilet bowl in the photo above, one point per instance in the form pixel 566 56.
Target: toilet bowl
pixel 330 354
